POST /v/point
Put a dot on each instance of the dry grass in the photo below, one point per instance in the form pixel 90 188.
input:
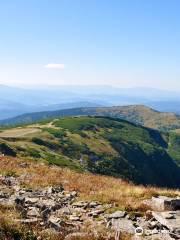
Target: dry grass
pixel 122 194
pixel 18 132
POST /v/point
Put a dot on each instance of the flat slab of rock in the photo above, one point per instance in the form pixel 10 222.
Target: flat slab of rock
pixel 123 225
pixel 171 220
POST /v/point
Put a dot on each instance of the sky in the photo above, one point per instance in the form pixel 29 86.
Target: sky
pixel 124 43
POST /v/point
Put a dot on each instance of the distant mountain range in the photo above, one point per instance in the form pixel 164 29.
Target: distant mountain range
pixel 18 100
pixel 138 114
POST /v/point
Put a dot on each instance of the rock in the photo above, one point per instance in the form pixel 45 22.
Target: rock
pixel 45 214
pixel 64 211
pixel 93 204
pixel 153 224
pixel 123 225
pixel 23 165
pixel 95 213
pixel 9 181
pixel 73 194
pixel 171 220
pixel 77 235
pixel 74 218
pixel 33 213
pixel 28 221
pixel 4 195
pixel 31 201
pixel 54 223
pixel 57 189
pixel 80 204
pixel 48 203
pixel 143 223
pixel 163 203
pixel 20 200
pixel 134 216
pixel 158 236
pixel 116 215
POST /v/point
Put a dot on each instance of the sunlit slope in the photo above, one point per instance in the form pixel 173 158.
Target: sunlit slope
pixel 101 145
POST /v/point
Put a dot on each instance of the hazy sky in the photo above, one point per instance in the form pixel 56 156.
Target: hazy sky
pixel 124 43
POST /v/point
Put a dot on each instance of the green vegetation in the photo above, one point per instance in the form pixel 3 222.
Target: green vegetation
pixel 102 145
pixel 174 146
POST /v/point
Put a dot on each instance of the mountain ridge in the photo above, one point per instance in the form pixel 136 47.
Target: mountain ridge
pixel 102 145
pixel 138 114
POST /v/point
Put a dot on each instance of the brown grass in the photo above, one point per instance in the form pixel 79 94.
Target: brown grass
pixel 122 194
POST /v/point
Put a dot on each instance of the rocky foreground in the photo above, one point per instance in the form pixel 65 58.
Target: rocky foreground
pixel 56 210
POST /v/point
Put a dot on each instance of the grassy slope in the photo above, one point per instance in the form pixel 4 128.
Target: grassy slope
pixel 138 114
pixel 105 189
pixel 99 145
pixel 123 195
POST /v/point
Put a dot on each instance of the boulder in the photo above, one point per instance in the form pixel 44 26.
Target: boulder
pixel 163 203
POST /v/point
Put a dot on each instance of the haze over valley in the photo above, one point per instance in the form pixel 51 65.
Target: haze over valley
pixel 20 100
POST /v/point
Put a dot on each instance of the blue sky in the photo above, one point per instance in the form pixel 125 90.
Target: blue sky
pixel 125 43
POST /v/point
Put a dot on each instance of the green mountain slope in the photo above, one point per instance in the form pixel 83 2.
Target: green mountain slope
pixel 97 144
pixel 138 114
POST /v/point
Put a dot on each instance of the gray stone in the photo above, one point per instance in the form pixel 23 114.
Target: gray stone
pixel 80 204
pixel 48 203
pixel 73 194
pixel 163 203
pixel 4 195
pixel 54 223
pixel 171 220
pixel 116 215
pixel 45 215
pixel 31 200
pixel 64 211
pixel 9 181
pixel 93 204
pixel 33 213
pixel 123 225
pixel 74 218
pixel 96 213
pixel 77 235
pixel 28 221
pixel 158 236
